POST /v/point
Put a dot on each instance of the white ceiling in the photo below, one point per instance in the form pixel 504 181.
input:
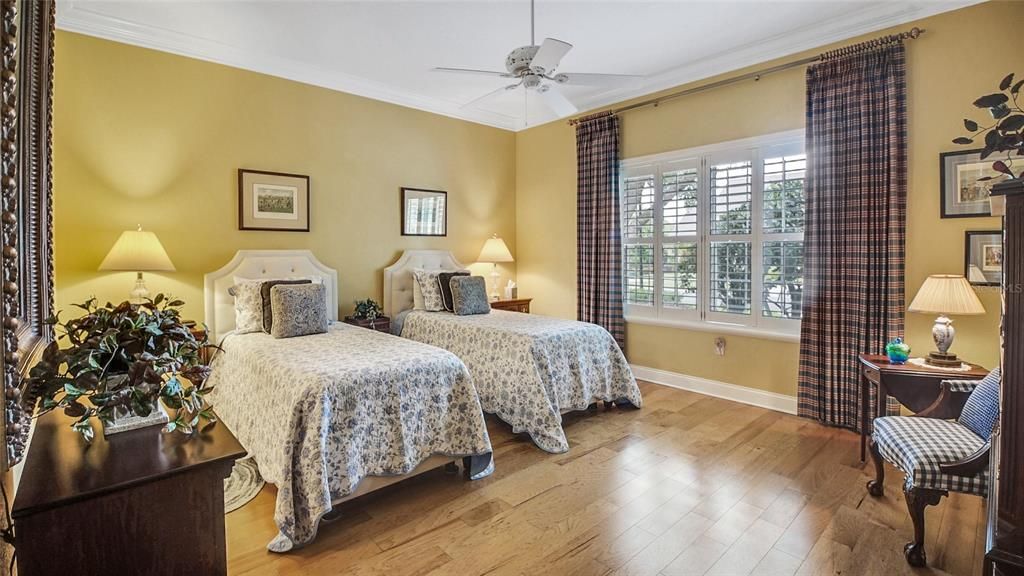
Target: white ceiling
pixel 386 49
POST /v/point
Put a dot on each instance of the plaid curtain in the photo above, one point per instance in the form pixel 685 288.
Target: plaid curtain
pixel 598 239
pixel 855 224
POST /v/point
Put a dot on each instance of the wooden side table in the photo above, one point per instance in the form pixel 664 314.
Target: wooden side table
pixel 199 333
pixel 916 387
pixel 517 305
pixel 380 324
pixel 138 502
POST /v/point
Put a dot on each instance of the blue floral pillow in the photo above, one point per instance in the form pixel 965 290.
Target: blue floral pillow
pixel 299 310
pixel 469 295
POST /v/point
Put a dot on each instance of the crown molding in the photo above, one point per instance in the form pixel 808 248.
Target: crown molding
pixel 865 21
pixel 73 16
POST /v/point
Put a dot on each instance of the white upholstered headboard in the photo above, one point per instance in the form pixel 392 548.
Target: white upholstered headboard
pixel 398 278
pixel 255 264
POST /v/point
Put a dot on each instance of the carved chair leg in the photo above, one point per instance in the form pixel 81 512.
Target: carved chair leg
pixel 876 487
pixel 917 500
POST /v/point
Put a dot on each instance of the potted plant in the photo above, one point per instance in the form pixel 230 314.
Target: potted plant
pixel 367 310
pixel 1005 135
pixel 116 363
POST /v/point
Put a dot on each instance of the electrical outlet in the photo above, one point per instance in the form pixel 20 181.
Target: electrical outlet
pixel 720 346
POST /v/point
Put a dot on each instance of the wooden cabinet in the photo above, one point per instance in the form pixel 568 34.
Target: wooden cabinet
pixel 138 502
pixel 518 305
pixel 1004 549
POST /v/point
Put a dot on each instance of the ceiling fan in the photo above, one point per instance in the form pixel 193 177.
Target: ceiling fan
pixel 534 69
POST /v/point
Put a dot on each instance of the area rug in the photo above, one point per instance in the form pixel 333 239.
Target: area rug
pixel 243 485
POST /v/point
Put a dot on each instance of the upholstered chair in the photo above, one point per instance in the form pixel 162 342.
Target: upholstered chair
pixel 938 456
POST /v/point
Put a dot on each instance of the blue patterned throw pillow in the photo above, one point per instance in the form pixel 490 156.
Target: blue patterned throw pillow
pixel 982 408
pixel 469 295
pixel 298 309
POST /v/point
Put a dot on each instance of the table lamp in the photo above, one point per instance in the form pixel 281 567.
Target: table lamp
pixel 493 252
pixel 945 294
pixel 137 251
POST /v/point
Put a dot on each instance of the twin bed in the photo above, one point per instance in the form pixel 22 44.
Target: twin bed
pixel 332 416
pixel 329 417
pixel 528 369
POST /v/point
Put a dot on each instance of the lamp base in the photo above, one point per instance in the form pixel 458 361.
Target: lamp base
pixel 495 279
pixel 140 293
pixel 942 359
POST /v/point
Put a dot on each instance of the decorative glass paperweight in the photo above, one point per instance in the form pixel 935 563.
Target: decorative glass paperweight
pixel 898 351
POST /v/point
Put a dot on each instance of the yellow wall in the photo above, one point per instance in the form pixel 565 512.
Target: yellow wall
pixel 962 55
pixel 144 137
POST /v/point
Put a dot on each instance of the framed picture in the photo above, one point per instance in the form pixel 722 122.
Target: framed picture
pixel 273 201
pixel 983 257
pixel 962 194
pixel 424 212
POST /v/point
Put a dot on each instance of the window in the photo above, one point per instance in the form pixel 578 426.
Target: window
pixel 715 234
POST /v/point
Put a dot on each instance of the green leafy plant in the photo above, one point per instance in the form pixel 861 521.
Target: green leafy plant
pixel 1006 133
pixel 367 309
pixel 122 360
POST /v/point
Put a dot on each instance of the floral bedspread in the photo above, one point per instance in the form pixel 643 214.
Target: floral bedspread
pixel 321 412
pixel 529 369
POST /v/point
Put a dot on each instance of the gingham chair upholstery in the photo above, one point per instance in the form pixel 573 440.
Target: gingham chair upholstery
pixel 917 446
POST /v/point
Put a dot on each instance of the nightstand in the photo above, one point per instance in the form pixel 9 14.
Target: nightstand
pixel 381 324
pixel 199 333
pixel 517 305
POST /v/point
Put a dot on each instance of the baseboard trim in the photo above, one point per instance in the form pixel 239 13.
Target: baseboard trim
pixel 743 394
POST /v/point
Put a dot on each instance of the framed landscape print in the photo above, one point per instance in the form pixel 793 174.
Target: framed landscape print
pixel 983 257
pixel 424 212
pixel 962 194
pixel 273 201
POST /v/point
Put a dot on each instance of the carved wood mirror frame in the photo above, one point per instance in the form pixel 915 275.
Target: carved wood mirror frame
pixel 26 215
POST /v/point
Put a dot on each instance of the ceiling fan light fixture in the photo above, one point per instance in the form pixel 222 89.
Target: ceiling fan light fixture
pixel 533 65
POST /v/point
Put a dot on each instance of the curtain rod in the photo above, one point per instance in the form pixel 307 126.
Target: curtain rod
pixel 913 33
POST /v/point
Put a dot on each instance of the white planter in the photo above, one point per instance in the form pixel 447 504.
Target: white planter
pixel 125 420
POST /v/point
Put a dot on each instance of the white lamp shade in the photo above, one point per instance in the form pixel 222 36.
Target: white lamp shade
pixel 137 251
pixel 494 251
pixel 946 294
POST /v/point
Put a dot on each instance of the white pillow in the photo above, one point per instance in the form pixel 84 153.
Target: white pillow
pixel 248 306
pixel 430 290
pixel 417 295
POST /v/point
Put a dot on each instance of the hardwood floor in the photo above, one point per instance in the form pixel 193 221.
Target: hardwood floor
pixel 689 485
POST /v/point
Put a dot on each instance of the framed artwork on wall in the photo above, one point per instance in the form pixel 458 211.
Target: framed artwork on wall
pixel 424 212
pixel 983 257
pixel 963 192
pixel 273 201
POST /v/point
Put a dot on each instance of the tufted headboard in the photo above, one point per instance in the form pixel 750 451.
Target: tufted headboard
pixel 255 264
pixel 398 278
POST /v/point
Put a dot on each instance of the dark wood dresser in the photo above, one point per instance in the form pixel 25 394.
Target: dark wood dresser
pixel 138 502
pixel 1004 549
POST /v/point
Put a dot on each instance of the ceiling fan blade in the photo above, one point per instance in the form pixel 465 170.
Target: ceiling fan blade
pixel 595 79
pixel 549 55
pixel 557 101
pixel 490 95
pixel 474 71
